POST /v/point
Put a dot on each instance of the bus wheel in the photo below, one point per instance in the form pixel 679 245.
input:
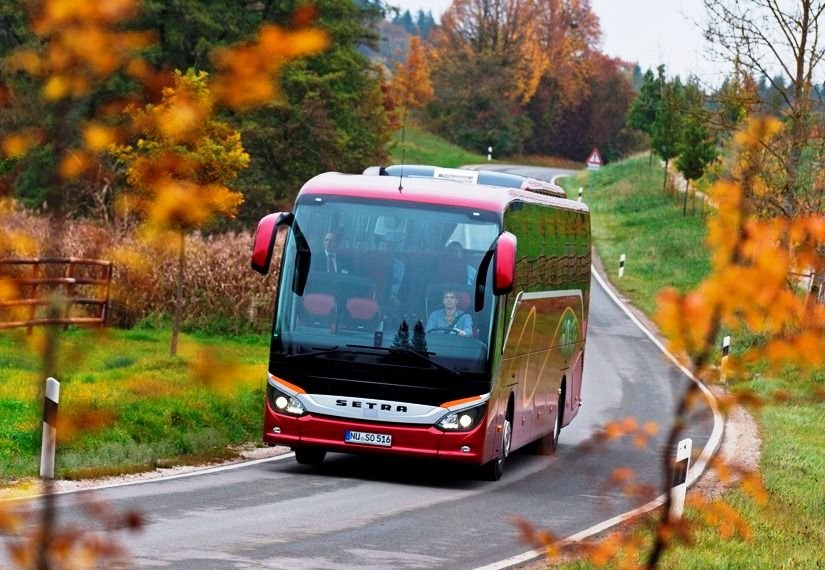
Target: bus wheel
pixel 309 455
pixel 493 470
pixel 553 439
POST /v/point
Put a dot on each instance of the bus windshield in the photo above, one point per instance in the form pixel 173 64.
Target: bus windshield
pixel 385 279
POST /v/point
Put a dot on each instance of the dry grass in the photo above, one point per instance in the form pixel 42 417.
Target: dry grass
pixel 221 294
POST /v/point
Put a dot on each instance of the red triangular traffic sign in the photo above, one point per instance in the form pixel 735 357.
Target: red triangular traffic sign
pixel 595 158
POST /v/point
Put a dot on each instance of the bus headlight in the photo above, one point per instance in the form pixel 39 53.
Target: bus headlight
pixel 463 420
pixel 283 402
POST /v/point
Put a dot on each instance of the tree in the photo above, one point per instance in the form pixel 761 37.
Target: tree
pixel 596 118
pixel 425 23
pixel 181 165
pixel 667 127
pixel 401 340
pixel 419 340
pixel 570 96
pixel 504 32
pixel 642 113
pixel 780 43
pixel 487 62
pixel 331 115
pixel 696 149
pixel 404 19
pixel 411 85
pixel 735 101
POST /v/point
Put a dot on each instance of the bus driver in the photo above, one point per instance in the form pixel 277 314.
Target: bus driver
pixel 450 319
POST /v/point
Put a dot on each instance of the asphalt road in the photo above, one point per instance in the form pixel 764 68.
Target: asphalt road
pixel 373 513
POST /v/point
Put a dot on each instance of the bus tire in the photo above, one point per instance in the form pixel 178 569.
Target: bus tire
pixel 552 439
pixel 310 455
pixel 493 470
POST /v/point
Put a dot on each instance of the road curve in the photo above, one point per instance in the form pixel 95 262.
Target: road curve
pixel 373 513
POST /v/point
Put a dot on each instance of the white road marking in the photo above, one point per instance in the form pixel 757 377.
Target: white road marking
pixel 694 473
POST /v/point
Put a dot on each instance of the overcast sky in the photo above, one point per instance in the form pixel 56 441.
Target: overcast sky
pixel 648 32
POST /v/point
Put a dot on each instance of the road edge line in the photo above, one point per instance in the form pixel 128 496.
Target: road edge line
pixel 696 470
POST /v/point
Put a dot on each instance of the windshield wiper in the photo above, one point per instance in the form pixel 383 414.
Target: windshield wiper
pixel 419 355
pixel 314 352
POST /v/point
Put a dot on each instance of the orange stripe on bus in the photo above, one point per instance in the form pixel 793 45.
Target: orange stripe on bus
pixel 459 402
pixel 289 385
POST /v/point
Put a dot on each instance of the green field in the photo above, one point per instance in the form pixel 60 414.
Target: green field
pixel 421 147
pixel 126 405
pixel 632 215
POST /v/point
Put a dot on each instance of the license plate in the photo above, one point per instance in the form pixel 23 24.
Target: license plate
pixel 368 438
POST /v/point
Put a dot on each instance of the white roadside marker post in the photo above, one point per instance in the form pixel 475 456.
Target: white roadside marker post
pixel 621 265
pixel 723 367
pixel 679 484
pixel 581 191
pixel 489 153
pixel 48 444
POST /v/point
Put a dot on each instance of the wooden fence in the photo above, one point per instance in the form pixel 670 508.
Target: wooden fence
pixel 55 291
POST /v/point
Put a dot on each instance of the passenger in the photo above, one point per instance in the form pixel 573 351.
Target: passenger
pixel 331 262
pixel 465 272
pixel 449 318
pixel 397 270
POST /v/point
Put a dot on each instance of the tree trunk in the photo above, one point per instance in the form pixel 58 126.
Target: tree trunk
pixel 173 350
pixel 684 204
pixel 664 183
pixel 692 201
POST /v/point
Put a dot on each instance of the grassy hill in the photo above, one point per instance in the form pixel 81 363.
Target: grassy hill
pixel 421 147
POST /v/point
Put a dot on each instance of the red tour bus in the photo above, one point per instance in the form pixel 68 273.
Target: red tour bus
pixel 449 324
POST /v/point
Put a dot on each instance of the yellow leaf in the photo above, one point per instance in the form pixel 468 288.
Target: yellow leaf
pixel 56 87
pixel 74 164
pixel 98 137
pixel 16 145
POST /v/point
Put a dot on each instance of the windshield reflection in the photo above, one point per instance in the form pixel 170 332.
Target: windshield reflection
pixel 399 279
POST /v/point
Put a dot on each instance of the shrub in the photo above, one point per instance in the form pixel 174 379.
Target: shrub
pixel 221 292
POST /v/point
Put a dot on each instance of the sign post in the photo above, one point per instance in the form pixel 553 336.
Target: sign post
pixel 594 161
pixel 723 367
pixel 679 486
pixel 49 439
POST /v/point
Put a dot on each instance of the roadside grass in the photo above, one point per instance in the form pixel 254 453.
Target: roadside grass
pixel 421 147
pixel 426 148
pixel 126 405
pixel 631 214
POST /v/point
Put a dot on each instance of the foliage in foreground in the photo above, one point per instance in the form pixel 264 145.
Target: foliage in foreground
pixel 751 524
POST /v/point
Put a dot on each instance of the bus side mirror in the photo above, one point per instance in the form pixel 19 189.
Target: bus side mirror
pixel 505 264
pixel 264 241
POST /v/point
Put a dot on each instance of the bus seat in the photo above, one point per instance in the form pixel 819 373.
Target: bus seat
pixel 318 310
pixel 377 266
pixel 361 314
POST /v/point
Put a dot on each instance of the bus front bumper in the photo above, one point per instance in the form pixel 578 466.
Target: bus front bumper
pixel 408 440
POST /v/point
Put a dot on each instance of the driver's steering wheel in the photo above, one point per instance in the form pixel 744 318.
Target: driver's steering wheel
pixel 448 330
